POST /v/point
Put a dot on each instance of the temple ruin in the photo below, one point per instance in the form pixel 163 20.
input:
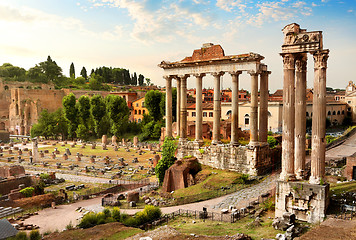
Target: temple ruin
pixel 308 201
pixel 253 159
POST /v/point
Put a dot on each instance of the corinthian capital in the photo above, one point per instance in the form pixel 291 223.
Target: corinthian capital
pixel 321 59
pixel 301 62
pixel 288 60
pixel 217 74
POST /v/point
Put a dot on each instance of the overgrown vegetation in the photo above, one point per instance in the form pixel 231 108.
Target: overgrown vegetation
pixel 150 213
pixel 168 150
pixel 34 235
pixel 27 192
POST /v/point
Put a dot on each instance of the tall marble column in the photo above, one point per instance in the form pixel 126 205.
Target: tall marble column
pixel 300 114
pixel 254 109
pixel 183 106
pixel 217 107
pixel 199 108
pixel 288 117
pixel 178 105
pixel 168 106
pixel 263 124
pixel 235 107
pixel 319 115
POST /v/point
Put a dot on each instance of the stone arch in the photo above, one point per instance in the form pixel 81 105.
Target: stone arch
pixel 2 126
pixel 329 113
pixel 338 112
pixel 307 114
pixel 334 113
pixel 247 119
pixel 228 113
pixel 6 87
pixel 343 112
pixel 269 114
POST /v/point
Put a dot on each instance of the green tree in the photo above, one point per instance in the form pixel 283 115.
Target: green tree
pixel 50 69
pixel 82 132
pixel 36 75
pixel 118 113
pixel 141 80
pixel 83 106
pixel 153 99
pixel 70 113
pixel 72 71
pixel 148 81
pixel 134 79
pixel 12 73
pixel 98 112
pixel 83 73
pixel 168 151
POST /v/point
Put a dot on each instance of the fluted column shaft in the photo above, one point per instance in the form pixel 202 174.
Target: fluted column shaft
pixel 183 106
pixel 254 109
pixel 178 105
pixel 217 108
pixel 300 114
pixel 288 118
pixel 235 107
pixel 319 115
pixel 199 108
pixel 168 106
pixel 263 124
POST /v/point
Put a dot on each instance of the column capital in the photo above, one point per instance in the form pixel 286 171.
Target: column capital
pixel 253 72
pixel 265 72
pixel 168 77
pixel 301 62
pixel 184 76
pixel 321 59
pixel 232 73
pixel 217 74
pixel 288 60
pixel 199 75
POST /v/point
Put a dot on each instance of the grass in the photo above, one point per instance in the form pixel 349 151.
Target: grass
pixel 214 180
pixel 213 228
pixel 338 188
pixel 124 234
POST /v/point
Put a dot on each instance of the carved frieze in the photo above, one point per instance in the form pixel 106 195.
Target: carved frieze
pixel 302 38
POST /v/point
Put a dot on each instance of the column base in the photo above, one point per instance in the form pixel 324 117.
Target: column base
pixel 234 144
pixel 198 142
pixel 300 174
pixel 215 142
pixel 287 177
pixel 254 144
pixel 307 201
pixel 316 180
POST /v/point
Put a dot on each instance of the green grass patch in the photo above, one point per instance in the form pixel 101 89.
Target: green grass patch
pixel 124 234
pixel 338 188
pixel 214 228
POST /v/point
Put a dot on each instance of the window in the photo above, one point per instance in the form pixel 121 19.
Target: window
pixel 139 120
pixel 210 114
pixel 338 112
pixel 247 119
pixel 307 114
pixel 343 112
pixel 143 111
pixel 334 113
pixel 193 114
pixel 205 114
pixel 136 104
pixel 329 113
pixel 143 104
pixel 135 111
pixel 139 111
pixel 348 102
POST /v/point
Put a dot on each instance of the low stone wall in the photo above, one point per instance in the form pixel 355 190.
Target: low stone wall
pixel 4 136
pixel 13 183
pixel 254 161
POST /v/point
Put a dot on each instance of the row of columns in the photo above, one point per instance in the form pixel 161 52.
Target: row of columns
pixel 257 136
pixel 294 116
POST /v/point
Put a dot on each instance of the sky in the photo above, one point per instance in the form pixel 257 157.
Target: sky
pixel 139 34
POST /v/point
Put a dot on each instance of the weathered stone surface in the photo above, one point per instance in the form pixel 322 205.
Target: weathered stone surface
pixel 133 196
pixel 181 174
pixel 14 170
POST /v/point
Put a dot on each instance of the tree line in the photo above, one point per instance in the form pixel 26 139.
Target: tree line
pixel 91 117
pixel 49 72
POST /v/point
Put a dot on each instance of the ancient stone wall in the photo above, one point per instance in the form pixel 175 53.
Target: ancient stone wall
pixel 307 201
pixel 9 184
pixel 248 160
pixel 350 165
pixel 4 136
pixel 14 170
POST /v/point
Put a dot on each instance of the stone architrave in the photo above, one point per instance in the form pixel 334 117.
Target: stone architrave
pixel 35 150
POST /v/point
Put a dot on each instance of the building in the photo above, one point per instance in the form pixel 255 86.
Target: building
pixel 138 109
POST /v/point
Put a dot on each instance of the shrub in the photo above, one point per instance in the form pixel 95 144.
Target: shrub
pixel 152 212
pixel 69 226
pixel 168 159
pixel 44 175
pixel 115 213
pixel 107 213
pixel 35 235
pixel 268 204
pixel 272 142
pixel 27 192
pixel 242 179
pixel 89 220
pixel 20 236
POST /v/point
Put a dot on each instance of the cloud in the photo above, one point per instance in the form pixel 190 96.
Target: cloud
pixel 228 5
pixel 11 14
pixel 350 11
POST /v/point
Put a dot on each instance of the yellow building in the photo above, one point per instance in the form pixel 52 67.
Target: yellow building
pixel 138 109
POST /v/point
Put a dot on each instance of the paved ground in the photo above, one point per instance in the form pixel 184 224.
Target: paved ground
pixel 344 150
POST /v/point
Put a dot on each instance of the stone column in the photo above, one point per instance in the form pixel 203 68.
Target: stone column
pixel 288 118
pixel 235 108
pixel 217 107
pixel 300 114
pixel 183 106
pixel 199 108
pixel 178 105
pixel 168 106
pixel 319 115
pixel 263 124
pixel 254 109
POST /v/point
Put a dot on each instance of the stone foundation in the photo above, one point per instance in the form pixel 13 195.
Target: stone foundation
pixel 307 201
pixel 252 160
